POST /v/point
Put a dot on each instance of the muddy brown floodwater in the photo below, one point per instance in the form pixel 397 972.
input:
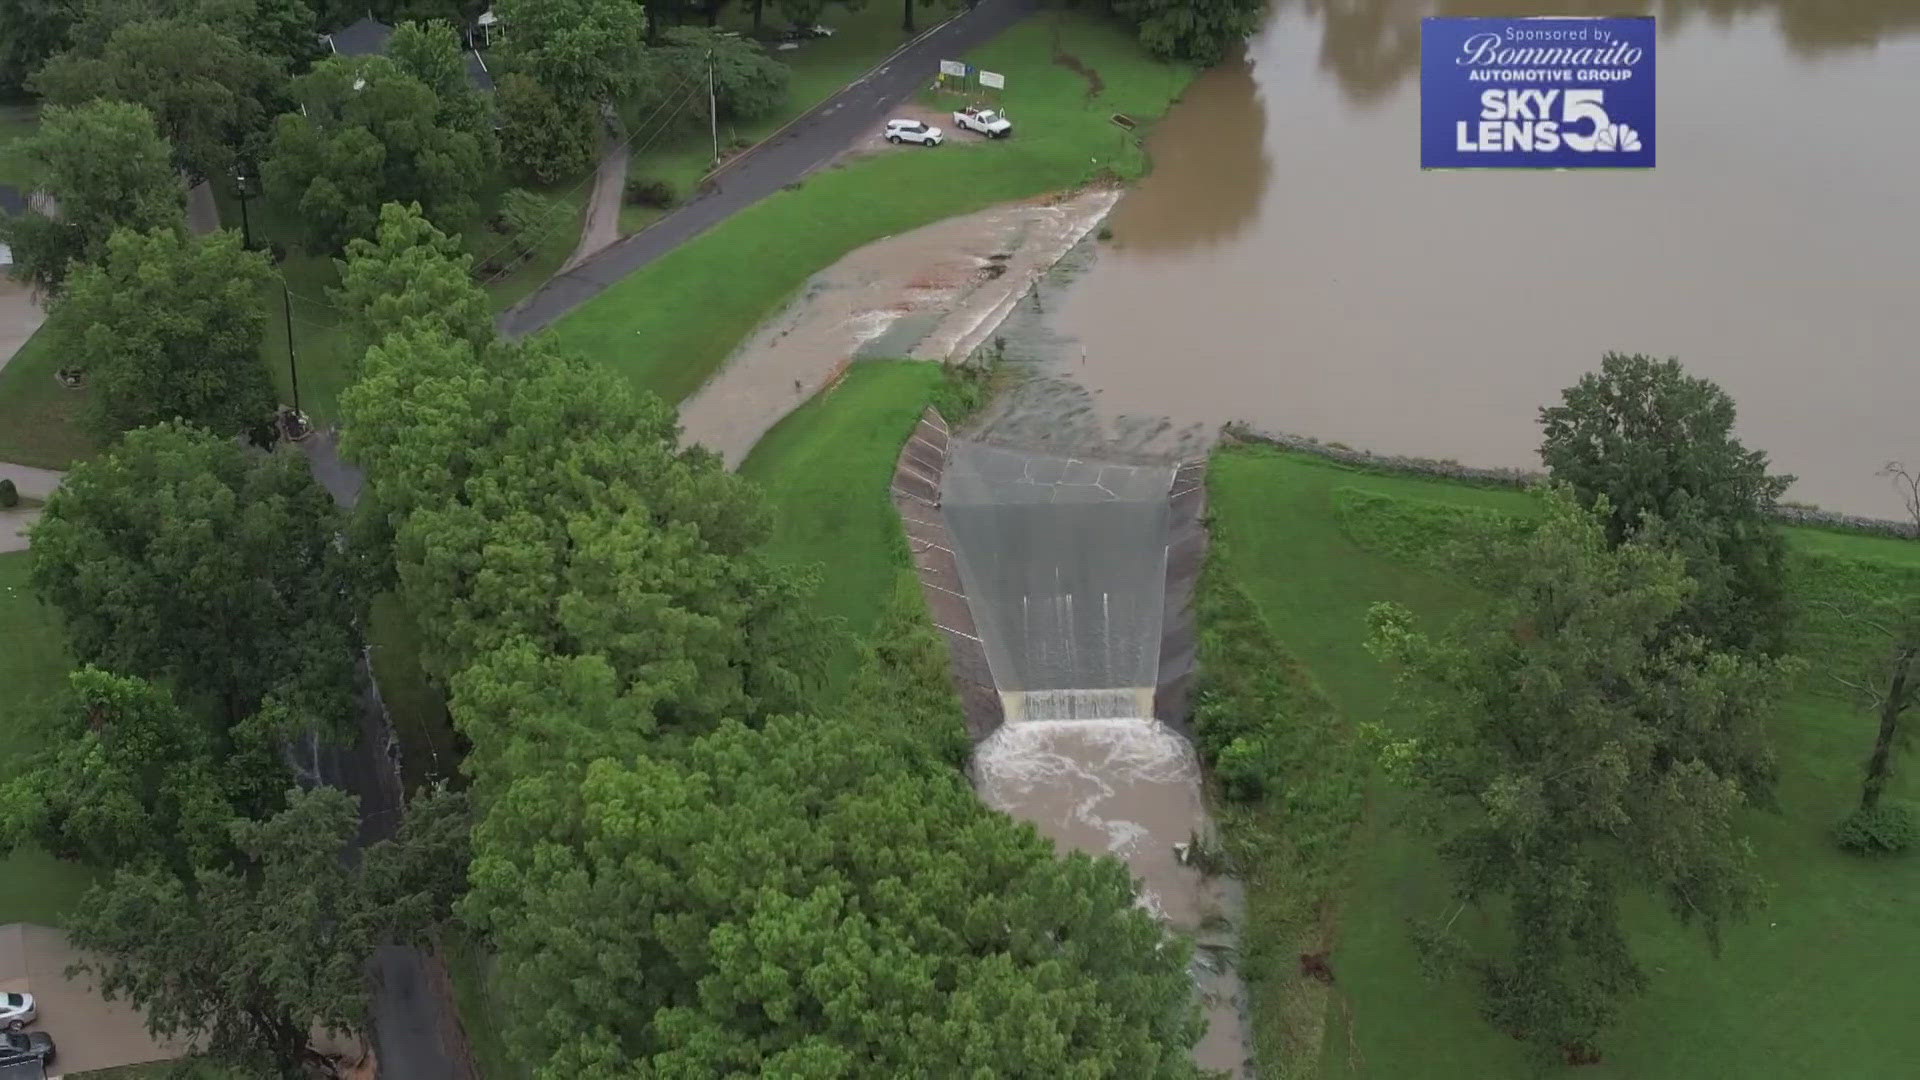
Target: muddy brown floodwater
pixel 1289 264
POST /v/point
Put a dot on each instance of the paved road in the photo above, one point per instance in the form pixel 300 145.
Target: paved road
pixel 806 145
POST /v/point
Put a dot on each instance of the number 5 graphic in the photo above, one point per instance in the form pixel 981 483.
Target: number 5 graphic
pixel 1578 105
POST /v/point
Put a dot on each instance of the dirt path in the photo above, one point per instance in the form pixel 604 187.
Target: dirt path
pixel 601 227
pixel 935 293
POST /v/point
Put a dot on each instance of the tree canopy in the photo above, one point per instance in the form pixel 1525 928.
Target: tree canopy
pixel 179 556
pixel 250 959
pixel 370 134
pixel 1566 746
pixel 589 51
pixel 1658 444
pixel 107 168
pixel 544 137
pixel 210 92
pixel 1202 31
pixel 409 272
pixel 167 326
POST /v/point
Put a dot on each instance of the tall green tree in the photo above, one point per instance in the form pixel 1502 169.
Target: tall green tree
pixel 544 138
pixel 747 83
pixel 591 51
pixel 371 134
pixel 1889 682
pixel 179 556
pixel 250 960
pixel 210 93
pixel 432 53
pixel 1565 748
pixel 127 778
pixel 408 273
pixel 168 327
pixel 1203 31
pixel 798 901
pixel 1658 444
pixel 31 31
pixel 107 168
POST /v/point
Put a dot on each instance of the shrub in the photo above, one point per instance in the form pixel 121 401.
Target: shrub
pixel 9 495
pixel 963 389
pixel 1887 829
pixel 1106 232
pixel 277 251
pixel 645 191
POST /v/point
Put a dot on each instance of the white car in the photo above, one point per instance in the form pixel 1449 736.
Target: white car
pixel 985 121
pixel 913 131
pixel 17 1011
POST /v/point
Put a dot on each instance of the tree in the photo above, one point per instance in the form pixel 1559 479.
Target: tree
pixel 372 134
pixel 210 93
pixel 747 82
pixel 1906 482
pixel 544 138
pixel 127 778
pixel 250 960
pixel 1890 684
pixel 30 32
pixel 587 51
pixel 800 901
pixel 107 169
pixel 409 271
pixel 1566 746
pixel 179 556
pixel 431 52
pixel 1201 32
pixel 1658 444
pixel 168 327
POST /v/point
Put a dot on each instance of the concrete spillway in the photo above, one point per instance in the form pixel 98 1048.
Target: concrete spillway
pixel 1063 563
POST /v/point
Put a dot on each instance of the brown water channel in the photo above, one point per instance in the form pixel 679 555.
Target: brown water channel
pixel 1289 264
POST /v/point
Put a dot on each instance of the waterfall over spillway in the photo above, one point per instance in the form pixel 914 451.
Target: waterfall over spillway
pixel 1119 703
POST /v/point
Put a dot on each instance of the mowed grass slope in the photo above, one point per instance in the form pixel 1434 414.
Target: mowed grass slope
pixel 670 325
pixel 1805 989
pixel 826 470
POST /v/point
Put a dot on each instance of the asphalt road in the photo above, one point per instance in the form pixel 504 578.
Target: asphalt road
pixel 1064 562
pixel 802 147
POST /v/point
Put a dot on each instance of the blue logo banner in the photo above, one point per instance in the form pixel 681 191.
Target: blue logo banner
pixel 1536 93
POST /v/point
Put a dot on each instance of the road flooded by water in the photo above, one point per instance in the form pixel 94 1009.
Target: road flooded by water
pixel 1290 265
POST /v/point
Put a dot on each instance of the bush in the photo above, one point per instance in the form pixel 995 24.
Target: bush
pixel 1106 232
pixel 645 191
pixel 277 251
pixel 963 389
pixel 1887 829
pixel 9 495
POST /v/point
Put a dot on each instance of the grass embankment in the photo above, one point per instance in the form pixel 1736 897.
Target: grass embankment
pixel 1799 991
pixel 670 325
pixel 34 887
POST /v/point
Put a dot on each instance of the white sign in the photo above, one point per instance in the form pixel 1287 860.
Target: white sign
pixel 954 68
pixel 993 79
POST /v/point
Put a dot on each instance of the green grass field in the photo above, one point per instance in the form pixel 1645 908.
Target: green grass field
pixel 669 326
pixel 1799 991
pixel 826 469
pixel 34 887
pixel 39 418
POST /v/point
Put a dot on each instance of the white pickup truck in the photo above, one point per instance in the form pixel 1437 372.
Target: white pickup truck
pixel 985 121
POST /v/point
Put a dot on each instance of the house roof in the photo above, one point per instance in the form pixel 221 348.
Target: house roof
pixel 368 37
pixel 12 200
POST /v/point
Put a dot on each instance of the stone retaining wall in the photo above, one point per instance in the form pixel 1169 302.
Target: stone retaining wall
pixel 916 496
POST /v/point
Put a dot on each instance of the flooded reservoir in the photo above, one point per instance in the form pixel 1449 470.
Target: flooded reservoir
pixel 1289 264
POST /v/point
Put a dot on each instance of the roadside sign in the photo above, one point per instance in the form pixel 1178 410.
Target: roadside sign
pixel 993 80
pixel 954 68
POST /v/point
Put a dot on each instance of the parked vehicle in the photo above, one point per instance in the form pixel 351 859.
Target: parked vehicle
pixel 913 131
pixel 17 1011
pixel 985 121
pixel 16 1047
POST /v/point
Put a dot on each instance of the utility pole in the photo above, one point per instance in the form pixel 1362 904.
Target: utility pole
pixel 293 371
pixel 713 109
pixel 246 226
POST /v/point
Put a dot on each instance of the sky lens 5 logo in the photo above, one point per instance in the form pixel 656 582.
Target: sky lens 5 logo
pixel 1537 93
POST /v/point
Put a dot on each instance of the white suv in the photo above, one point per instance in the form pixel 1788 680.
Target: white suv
pixel 913 131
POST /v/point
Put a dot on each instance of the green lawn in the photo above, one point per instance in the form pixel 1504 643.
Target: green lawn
pixel 670 325
pixel 34 887
pixel 1800 991
pixel 826 469
pixel 16 122
pixel 682 153
pixel 39 418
